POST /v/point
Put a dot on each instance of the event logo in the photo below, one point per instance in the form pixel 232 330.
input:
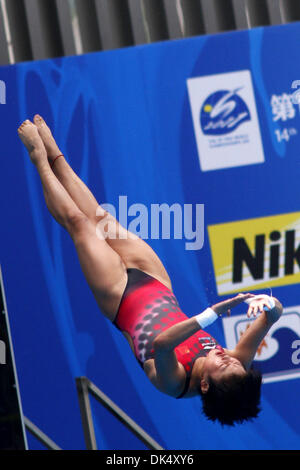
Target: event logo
pixel 256 253
pixel 225 120
pixel 222 112
pixel 277 356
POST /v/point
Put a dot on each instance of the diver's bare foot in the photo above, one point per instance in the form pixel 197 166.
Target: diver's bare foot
pixel 30 137
pixel 47 137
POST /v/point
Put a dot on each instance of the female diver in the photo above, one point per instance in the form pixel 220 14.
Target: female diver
pixel 133 290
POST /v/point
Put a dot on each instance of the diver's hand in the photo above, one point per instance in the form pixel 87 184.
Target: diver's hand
pixel 261 305
pixel 257 306
pixel 227 305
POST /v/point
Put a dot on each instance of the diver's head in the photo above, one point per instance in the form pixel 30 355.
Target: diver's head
pixel 230 394
pixel 219 367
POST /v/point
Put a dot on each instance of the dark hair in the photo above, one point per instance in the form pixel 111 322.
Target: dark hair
pixel 235 401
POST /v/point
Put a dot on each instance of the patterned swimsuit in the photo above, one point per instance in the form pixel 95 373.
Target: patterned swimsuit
pixel 146 309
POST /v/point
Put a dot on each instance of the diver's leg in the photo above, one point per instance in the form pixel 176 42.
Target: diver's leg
pixel 134 251
pixel 79 192
pixel 103 268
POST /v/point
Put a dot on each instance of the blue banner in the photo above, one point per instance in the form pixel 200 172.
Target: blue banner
pixel 210 120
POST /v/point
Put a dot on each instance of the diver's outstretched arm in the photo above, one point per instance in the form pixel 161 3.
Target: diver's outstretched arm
pixel 248 344
pixel 176 334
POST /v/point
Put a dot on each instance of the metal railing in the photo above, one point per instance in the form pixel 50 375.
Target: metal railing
pixel 85 387
pixel 40 436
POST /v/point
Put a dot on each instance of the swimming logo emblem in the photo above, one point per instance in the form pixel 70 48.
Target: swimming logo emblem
pixel 222 112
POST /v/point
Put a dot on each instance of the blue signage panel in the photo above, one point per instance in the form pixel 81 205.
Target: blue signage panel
pixel 209 122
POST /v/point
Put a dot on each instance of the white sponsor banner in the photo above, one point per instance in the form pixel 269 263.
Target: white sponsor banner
pixel 235 327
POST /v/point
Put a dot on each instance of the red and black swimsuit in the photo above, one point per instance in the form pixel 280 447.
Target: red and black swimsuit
pixel 146 309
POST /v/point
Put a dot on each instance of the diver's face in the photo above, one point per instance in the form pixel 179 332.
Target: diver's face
pixel 218 366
